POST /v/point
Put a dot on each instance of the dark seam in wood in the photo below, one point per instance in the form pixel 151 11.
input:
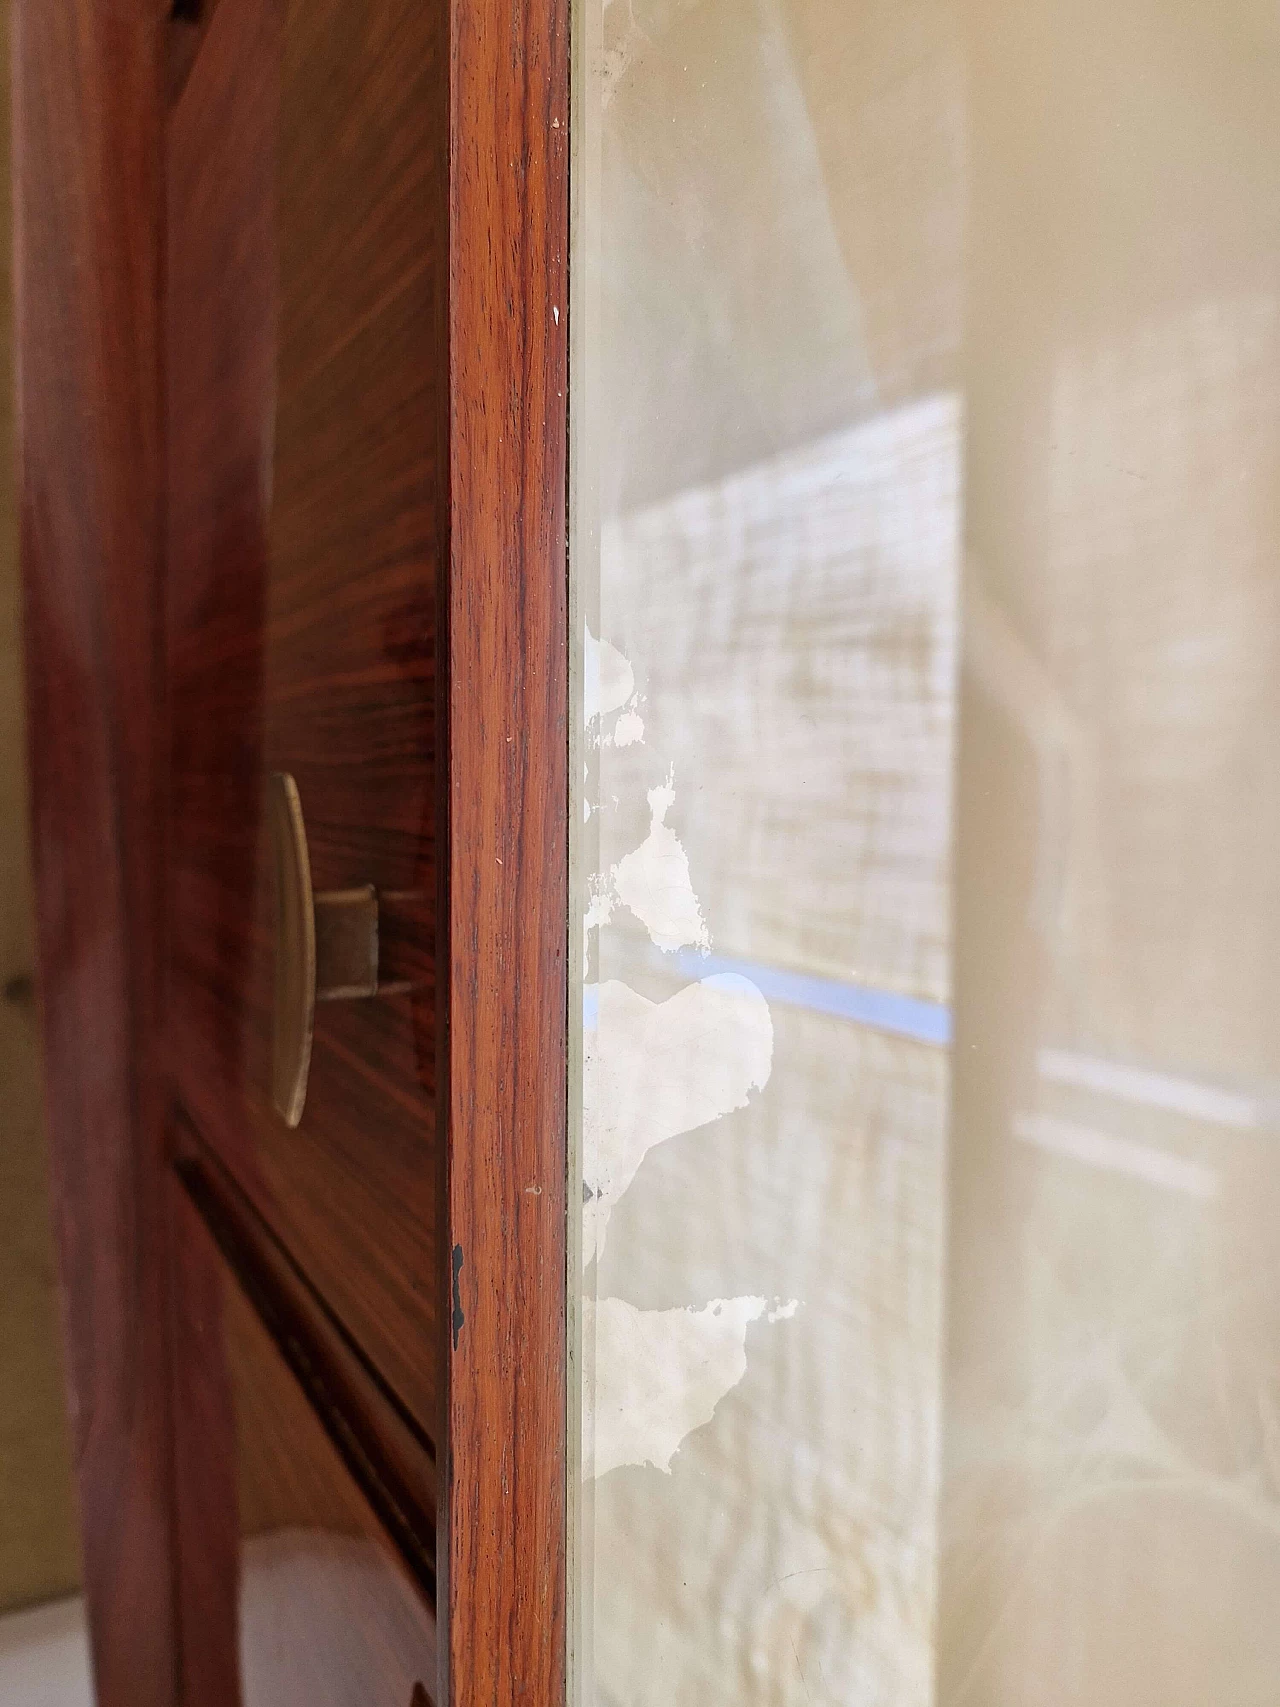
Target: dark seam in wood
pixel 210 1162
pixel 408 1528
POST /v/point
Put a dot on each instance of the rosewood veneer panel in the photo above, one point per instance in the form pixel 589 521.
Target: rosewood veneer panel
pixel 307 386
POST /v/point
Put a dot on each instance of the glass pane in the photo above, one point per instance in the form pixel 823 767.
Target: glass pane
pixel 926 507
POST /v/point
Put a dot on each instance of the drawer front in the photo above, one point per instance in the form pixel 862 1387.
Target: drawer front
pixel 299 1583
pixel 307 379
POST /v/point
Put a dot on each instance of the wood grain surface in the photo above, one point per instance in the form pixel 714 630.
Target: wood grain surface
pixel 291 1594
pixel 385 1450
pixel 501 1555
pixel 88 86
pixel 361 519
pixel 307 387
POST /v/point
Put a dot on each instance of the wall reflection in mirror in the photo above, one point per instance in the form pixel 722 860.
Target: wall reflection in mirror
pixel 927 438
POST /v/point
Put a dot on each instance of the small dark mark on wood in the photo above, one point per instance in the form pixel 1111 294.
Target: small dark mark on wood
pixel 458 1317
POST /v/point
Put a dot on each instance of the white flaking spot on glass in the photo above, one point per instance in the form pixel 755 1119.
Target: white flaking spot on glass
pixel 628 729
pixel 659 1375
pixel 608 679
pixel 599 911
pixel 600 907
pixel 654 880
pixel 652 1070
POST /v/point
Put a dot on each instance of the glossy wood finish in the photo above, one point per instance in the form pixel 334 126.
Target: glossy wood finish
pixel 386 1451
pixel 307 393
pixel 501 1555
pixel 88 83
pixel 188 21
pixel 362 524
pixel 290 1591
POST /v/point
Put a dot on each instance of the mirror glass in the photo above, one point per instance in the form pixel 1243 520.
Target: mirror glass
pixel 926 496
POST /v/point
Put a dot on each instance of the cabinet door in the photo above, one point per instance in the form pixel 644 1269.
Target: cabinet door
pixel 294 346
pixel 307 383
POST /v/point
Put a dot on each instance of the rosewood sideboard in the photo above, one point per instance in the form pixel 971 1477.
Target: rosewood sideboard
pixel 292 350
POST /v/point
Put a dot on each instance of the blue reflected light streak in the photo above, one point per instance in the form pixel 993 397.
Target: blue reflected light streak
pixel 885 1010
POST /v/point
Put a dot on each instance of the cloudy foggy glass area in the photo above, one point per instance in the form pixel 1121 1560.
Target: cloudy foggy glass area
pixel 926 501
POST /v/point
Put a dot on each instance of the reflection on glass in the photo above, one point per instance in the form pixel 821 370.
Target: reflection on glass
pixel 927 502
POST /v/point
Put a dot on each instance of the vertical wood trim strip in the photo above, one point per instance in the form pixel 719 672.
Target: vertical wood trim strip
pixel 87 86
pixel 501 1552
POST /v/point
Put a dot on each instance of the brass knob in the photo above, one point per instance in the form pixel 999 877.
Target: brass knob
pixel 326 947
